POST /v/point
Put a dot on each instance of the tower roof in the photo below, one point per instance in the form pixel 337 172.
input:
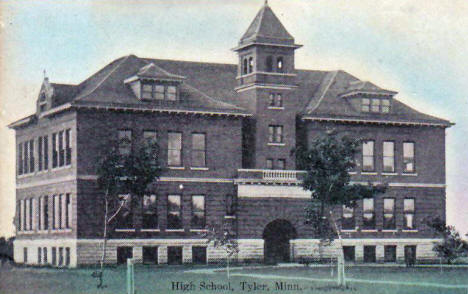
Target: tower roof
pixel 266 28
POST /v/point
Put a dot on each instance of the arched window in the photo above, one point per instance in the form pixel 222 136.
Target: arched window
pixel 279 64
pixel 244 70
pixel 250 64
pixel 269 63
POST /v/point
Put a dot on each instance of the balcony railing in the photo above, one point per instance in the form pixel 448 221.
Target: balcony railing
pixel 269 175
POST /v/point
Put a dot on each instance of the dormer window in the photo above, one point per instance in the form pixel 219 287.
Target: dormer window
pixel 250 64
pixel 376 105
pixel 158 92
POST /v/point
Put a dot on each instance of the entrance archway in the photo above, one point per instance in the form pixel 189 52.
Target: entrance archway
pixel 277 235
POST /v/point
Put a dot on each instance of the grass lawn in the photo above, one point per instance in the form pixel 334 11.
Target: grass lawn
pixel 154 279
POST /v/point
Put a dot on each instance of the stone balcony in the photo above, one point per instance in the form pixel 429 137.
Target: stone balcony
pixel 269 176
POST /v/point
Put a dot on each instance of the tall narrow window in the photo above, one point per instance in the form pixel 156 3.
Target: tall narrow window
pixel 275 134
pixel 389 214
pixel 198 150
pixel 250 64
pixel 245 67
pixel 368 156
pixel 46 213
pixel 68 211
pixel 409 213
pixel 408 157
pixel 68 147
pixel 385 106
pixel 20 158
pixel 25 226
pixel 31 156
pixel 25 254
pixel 368 214
pixel 150 212
pixel 271 100
pixel 125 220
pixel 388 156
pixel 159 92
pixel 125 142
pixel 39 255
pixel 26 157
pixel 40 154
pixel 45 147
pixel 174 212
pixel 279 64
pixel 198 212
pixel 174 154
pixel 365 105
pixel 44 253
pixel 279 100
pixel 146 91
pixel 269 64
pixel 281 164
pixel 67 256
pixel 347 222
pixel 63 211
pixel 171 93
pixel 40 217
pixel 56 210
pixel 269 163
pixel 60 262
pixel 18 215
pixel 375 105
pixel 28 214
pixel 21 216
pixel 54 150
pixel 54 255
pixel 61 148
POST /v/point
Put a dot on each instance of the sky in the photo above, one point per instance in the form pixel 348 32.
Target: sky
pixel 418 48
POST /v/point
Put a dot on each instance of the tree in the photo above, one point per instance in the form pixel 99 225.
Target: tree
pixel 452 245
pixel 327 164
pixel 223 238
pixel 124 174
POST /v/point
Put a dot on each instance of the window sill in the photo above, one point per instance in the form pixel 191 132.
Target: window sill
pixel 349 231
pixel 352 173
pixel 125 230
pixel 60 230
pixel 199 230
pixel 390 231
pixel 409 174
pixel 369 173
pixel 410 231
pixel 389 174
pixel 275 108
pixel 175 230
pixel 176 167
pixel 230 217
pixel 61 167
pixel 276 144
pixel 27 232
pixel 150 230
pixel 369 231
pixel 199 168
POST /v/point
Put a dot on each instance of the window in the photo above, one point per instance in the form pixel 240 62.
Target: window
pixel 63 211
pixel 408 207
pixel 28 214
pixel 31 156
pixel 390 253
pixel 68 211
pixel 385 106
pixel 54 151
pixel 126 214
pixel 347 222
pixel 42 152
pixel 39 255
pixel 61 150
pixel 150 254
pixel 45 223
pixel 174 212
pixel 174 149
pixel 158 92
pixel 150 137
pixel 20 158
pixel 124 253
pixel 60 261
pixel 230 204
pixel 275 134
pixel 408 157
pixel 198 150
pixel 150 212
pixel 44 253
pixel 269 64
pixel 279 64
pixel 281 164
pixel 275 100
pixel 349 253
pixel 146 91
pixel 19 215
pixel 198 255
pixel 269 163
pixel 375 105
pixel 67 256
pixel 365 105
pixel 368 214
pixel 40 218
pixel 245 68
pixel 54 255
pixel 125 142
pixel 198 212
pixel 369 254
pixel 368 156
pixel 171 93
pixel 388 156
pixel 56 210
pixel 25 227
pixel 174 255
pixel 389 214
pixel 26 158
pixel 250 64
pixel 25 255
pixel 68 148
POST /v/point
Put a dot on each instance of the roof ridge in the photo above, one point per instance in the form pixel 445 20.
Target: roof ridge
pixel 104 79
pixel 332 75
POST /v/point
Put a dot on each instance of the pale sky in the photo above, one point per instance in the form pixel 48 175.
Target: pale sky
pixel 418 48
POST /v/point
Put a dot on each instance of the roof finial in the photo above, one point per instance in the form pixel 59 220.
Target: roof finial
pixel 45 74
pixel 266 2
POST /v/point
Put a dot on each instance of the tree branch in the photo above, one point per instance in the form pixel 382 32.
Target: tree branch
pixel 117 212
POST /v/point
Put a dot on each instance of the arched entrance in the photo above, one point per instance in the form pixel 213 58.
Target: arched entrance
pixel 277 235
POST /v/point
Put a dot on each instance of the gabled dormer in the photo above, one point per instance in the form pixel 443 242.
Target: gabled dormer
pixel 44 100
pixel 369 98
pixel 152 83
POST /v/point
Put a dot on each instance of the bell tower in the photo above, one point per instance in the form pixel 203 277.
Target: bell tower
pixel 266 81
